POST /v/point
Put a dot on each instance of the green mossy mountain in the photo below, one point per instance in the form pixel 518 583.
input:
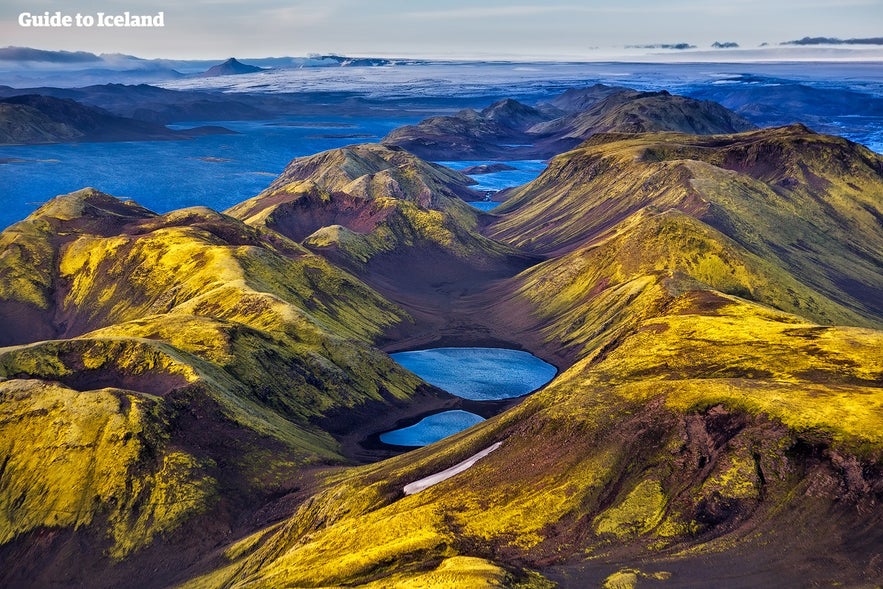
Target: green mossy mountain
pixel 186 397
pixel 695 421
pixel 201 344
pixel 807 203
pixel 397 222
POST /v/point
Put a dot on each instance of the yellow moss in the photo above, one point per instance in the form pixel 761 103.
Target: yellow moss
pixel 736 477
pixel 161 503
pixel 26 264
pixel 248 544
pixel 674 525
pixel 623 579
pixel 455 572
pixel 71 457
pixel 638 513
pixel 522 510
pixel 629 578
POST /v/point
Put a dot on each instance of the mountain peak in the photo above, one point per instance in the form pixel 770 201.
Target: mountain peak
pixel 512 113
pixel 231 67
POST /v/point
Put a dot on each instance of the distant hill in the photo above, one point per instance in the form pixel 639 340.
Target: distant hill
pixel 773 102
pixel 642 112
pixel 576 100
pixel 510 130
pixel 231 67
pixel 835 41
pixel 497 131
pixel 159 105
pixel 32 118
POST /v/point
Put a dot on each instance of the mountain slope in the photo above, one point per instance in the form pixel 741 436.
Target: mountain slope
pixel 695 424
pixel 493 132
pixel 703 430
pixel 805 202
pixel 231 67
pixel 30 119
pixel 511 130
pixel 199 368
pixel 645 112
pixel 629 274
pixel 397 222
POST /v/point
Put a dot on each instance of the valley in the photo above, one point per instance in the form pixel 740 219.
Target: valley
pixel 203 395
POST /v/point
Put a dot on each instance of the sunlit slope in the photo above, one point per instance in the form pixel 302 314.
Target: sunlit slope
pixel 396 222
pixel 635 269
pixel 187 341
pixel 364 201
pixel 807 203
pixel 713 405
pixel 718 424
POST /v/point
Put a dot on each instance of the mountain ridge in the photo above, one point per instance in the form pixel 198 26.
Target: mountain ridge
pixel 508 129
pixel 34 119
pixel 710 302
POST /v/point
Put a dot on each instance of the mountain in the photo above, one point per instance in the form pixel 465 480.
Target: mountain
pixel 576 100
pixel 712 422
pixel 835 41
pixel 498 131
pixel 185 397
pixel 645 112
pixel 157 105
pixel 773 102
pixel 511 130
pixel 32 118
pixel 231 67
pixel 399 223
pixel 192 371
pixel 770 190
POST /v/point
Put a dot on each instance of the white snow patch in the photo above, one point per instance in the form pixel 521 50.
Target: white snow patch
pixel 444 475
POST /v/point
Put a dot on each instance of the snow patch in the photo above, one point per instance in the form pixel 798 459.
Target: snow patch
pixel 444 475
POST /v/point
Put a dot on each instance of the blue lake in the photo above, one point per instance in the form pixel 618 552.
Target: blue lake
pixel 479 374
pixel 432 429
pixel 525 171
pixel 217 171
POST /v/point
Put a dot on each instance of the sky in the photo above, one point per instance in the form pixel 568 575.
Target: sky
pixel 212 29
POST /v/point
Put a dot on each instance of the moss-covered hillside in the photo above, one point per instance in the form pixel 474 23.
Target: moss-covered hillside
pixel 180 392
pixel 397 222
pixel 713 424
pixel 171 370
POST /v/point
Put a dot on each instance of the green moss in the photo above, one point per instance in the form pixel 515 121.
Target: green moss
pixel 623 579
pixel 457 571
pixel 73 458
pixel 638 513
pixel 161 503
pixel 26 262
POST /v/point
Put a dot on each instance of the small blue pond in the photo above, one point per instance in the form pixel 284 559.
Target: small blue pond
pixel 431 429
pixel 477 374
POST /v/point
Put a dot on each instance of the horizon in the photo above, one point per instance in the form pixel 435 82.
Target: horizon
pixel 783 52
pixel 517 30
